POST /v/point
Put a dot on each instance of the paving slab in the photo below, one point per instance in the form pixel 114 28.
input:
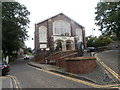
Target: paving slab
pixel 6 82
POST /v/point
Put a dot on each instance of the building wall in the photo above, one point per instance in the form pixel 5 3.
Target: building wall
pixel 49 24
pixel 37 44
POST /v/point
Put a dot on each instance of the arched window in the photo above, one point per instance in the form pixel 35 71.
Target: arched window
pixel 79 35
pixel 61 27
pixel 42 34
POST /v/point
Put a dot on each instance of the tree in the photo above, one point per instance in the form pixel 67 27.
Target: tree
pixel 98 42
pixel 28 51
pixel 108 18
pixel 14 24
pixel 102 41
pixel 91 41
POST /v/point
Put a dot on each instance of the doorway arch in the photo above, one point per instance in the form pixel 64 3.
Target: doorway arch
pixel 69 45
pixel 58 45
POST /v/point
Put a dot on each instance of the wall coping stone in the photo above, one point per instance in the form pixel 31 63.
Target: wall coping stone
pixel 80 58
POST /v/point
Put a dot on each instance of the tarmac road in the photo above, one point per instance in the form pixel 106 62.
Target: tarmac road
pixel 29 77
pixel 111 59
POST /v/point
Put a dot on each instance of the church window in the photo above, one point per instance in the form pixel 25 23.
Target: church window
pixel 61 27
pixel 42 34
pixel 79 35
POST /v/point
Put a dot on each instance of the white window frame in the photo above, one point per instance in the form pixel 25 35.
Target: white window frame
pixel 62 27
pixel 79 34
pixel 43 30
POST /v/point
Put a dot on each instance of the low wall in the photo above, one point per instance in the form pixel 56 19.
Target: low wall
pixel 59 57
pixel 61 60
pixel 53 58
pixel 40 57
pixel 80 65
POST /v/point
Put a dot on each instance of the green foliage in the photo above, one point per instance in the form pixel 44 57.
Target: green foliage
pixel 103 41
pixel 108 18
pixel 14 23
pixel 98 42
pixel 28 51
pixel 91 41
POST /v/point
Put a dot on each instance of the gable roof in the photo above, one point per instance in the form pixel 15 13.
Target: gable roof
pixel 65 16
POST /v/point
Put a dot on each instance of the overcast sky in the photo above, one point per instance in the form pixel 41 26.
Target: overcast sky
pixel 81 11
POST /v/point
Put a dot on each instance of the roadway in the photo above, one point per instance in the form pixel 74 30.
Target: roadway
pixel 111 59
pixel 28 77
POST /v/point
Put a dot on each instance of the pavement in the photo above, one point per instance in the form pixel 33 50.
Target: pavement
pixel 99 76
pixel 6 83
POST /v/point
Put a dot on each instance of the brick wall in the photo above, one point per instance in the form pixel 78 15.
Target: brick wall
pixel 40 56
pixel 59 57
pixel 80 65
pixel 61 61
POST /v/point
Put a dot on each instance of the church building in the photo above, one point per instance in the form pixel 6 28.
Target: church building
pixel 58 33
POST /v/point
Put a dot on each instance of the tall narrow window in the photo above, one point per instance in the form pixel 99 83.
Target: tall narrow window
pixel 42 34
pixel 61 27
pixel 79 35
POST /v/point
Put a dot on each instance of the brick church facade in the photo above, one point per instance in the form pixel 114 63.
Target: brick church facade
pixel 58 33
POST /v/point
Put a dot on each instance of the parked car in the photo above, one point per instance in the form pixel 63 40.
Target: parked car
pixel 26 57
pixel 90 49
pixel 5 68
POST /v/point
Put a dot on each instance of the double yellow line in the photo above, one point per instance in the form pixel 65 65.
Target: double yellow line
pixel 16 82
pixel 80 81
pixel 108 69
